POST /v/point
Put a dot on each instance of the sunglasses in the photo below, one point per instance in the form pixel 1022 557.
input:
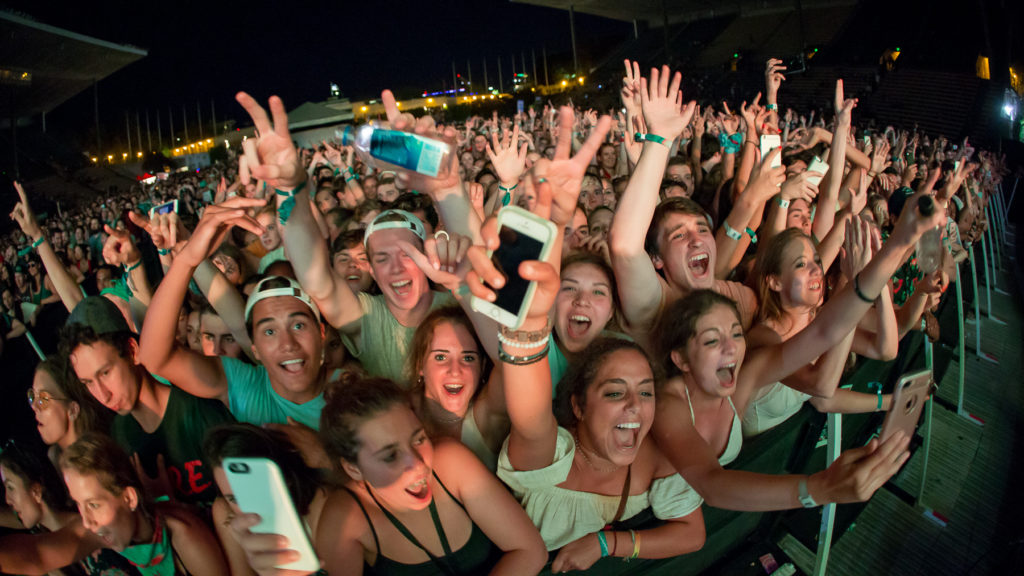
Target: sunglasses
pixel 42 399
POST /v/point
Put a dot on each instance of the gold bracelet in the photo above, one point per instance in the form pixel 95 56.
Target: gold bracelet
pixel 523 337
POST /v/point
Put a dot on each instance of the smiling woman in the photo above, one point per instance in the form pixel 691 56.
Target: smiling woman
pixel 409 501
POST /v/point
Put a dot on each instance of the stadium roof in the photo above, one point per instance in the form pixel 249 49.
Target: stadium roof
pixel 654 11
pixel 45 65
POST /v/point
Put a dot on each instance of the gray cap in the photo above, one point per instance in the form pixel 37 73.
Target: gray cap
pixel 100 314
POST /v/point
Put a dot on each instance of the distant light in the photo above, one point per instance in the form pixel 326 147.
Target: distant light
pixel 897 48
pixel 565 83
pixel 430 100
pixel 736 55
pixel 124 155
pixel 110 157
pixel 209 141
pixel 816 50
pixel 1008 110
pixel 399 104
pixel 364 108
pixel 580 80
pixel 139 154
pixel 94 159
pixel 445 106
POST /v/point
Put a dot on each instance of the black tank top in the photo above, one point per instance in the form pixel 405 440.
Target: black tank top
pixel 478 556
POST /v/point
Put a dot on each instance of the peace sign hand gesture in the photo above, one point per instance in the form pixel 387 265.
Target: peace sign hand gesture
pixel 272 158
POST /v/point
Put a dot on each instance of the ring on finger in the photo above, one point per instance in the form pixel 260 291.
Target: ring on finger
pixel 437 235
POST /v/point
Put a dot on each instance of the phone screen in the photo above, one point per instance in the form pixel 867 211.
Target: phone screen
pixel 515 249
pixel 165 208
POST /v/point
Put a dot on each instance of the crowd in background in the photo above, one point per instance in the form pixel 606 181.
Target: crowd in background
pixel 310 307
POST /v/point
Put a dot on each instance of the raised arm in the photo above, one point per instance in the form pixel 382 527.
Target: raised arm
pixel 640 287
pixel 198 375
pixel 840 314
pixel 730 239
pixel 120 250
pixel 825 215
pixel 531 442
pixel 63 283
pixel 274 160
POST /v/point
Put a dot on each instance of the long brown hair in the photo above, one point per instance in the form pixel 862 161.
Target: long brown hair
pixel 415 359
pixel 768 264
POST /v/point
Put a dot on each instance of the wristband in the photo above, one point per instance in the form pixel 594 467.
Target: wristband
pixel 284 210
pixel 39 242
pixel 129 267
pixel 782 202
pixel 805 497
pixel 506 198
pixel 731 232
pixel 604 544
pixel 636 548
pixel 872 174
pixel 651 138
pixel 163 251
pixel 771 107
pixel 856 290
pixel 753 236
pixel 632 534
pixel 349 178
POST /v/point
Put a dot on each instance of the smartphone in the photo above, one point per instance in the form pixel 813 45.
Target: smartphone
pixel 907 402
pixel 165 208
pixel 768 142
pixel 817 165
pixel 259 488
pixel 523 237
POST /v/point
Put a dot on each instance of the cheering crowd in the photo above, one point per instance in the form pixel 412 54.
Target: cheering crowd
pixel 311 307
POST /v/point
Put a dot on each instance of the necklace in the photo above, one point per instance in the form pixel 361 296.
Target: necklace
pixel 590 463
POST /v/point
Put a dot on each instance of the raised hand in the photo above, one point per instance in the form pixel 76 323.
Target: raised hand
pixel 800 186
pixel 166 230
pixel 272 158
pixel 662 104
pixel 750 113
pixel 119 249
pixel 443 259
pixel 215 224
pixel 508 163
pixel 24 216
pixel 765 181
pixel 844 106
pixel 857 246
pixel 448 177
pixel 880 159
pixel 565 173
pixel 773 76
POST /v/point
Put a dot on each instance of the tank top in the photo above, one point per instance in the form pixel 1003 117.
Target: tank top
pixel 732 448
pixel 477 556
pixel 473 439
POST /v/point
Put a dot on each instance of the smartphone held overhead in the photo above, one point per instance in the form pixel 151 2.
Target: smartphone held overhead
pixel 523 237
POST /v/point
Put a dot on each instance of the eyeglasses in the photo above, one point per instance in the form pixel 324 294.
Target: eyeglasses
pixel 42 399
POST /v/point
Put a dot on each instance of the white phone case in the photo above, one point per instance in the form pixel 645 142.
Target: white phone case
pixel 259 488
pixel 535 227
pixel 817 165
pixel 769 142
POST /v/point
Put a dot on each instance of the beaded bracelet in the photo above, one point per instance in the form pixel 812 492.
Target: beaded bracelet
pixel 522 360
pixel 511 343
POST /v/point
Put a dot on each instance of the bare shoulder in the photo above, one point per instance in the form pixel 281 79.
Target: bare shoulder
pixel 761 334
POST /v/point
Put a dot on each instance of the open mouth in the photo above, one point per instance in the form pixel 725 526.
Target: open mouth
pixel 699 264
pixel 352 277
pixel 453 389
pixel 293 366
pixel 814 286
pixel 727 374
pixel 627 435
pixel 402 288
pixel 419 490
pixel 578 325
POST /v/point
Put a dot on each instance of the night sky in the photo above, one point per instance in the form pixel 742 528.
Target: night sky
pixel 200 51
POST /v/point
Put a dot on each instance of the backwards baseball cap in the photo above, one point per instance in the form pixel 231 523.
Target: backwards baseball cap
pixel 394 218
pixel 100 314
pixel 274 286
